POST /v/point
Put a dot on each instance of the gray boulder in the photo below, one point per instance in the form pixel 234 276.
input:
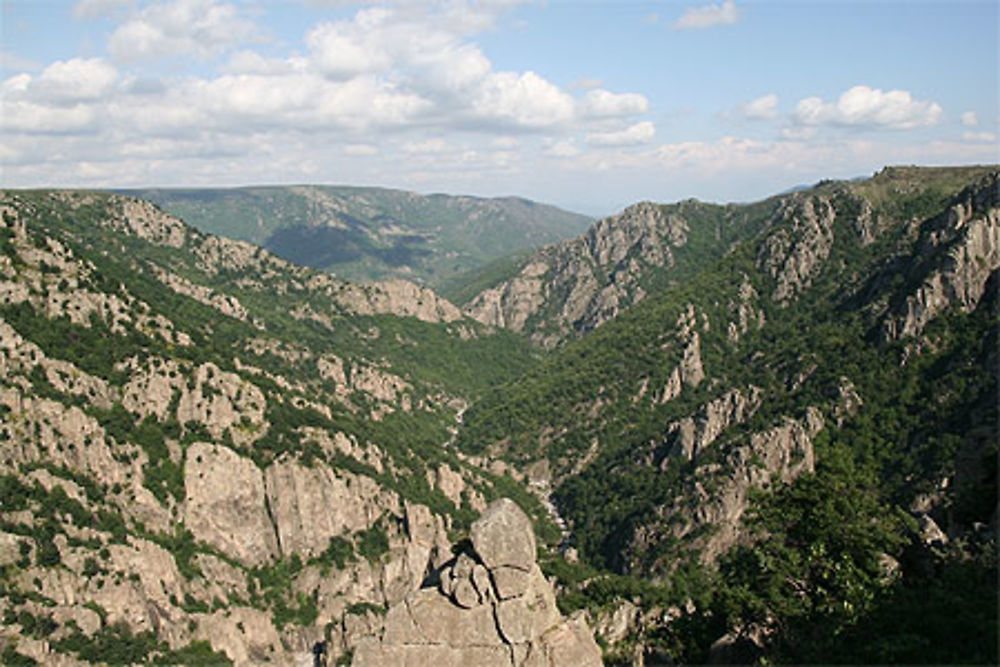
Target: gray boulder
pixel 492 606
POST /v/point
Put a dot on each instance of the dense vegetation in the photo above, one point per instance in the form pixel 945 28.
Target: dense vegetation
pixel 810 584
pixel 373 233
pixel 841 562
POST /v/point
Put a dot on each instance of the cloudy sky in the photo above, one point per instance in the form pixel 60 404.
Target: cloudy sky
pixel 587 104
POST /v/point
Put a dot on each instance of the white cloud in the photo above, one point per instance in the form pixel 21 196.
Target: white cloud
pixel 640 133
pixel 304 100
pixel 708 16
pixel 979 136
pixel 61 99
pixel 411 69
pixel 251 62
pixel 23 116
pixel 203 28
pixel 347 48
pixel 601 103
pixel 76 80
pixel 862 106
pixel 525 99
pixel 762 108
pixel 970 119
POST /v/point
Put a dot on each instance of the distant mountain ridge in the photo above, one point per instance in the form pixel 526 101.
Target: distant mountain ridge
pixel 370 233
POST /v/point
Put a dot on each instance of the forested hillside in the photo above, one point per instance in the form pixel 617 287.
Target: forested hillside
pixel 795 447
pixel 373 233
pixel 742 433
pixel 209 453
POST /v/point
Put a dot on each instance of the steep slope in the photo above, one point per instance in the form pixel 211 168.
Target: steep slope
pixel 850 343
pixel 210 452
pixel 569 288
pixel 373 233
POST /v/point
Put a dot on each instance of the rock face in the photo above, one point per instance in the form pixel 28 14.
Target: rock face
pixel 717 494
pixel 224 503
pixel 958 253
pixel 491 606
pixel 581 283
pixel 792 256
pixel 690 435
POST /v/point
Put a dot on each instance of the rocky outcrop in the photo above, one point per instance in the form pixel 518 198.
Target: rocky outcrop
pixel 397 297
pixel 149 222
pixel 707 516
pixel 579 284
pixel 794 254
pixel 224 303
pixel 310 505
pixel 958 253
pixel 224 504
pixel 492 606
pixel 689 436
pixel 746 314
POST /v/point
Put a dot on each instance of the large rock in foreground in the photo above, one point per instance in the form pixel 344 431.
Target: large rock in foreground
pixel 488 606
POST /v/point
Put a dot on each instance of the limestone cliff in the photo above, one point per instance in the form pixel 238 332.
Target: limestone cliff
pixel 957 253
pixel 490 605
pixel 576 285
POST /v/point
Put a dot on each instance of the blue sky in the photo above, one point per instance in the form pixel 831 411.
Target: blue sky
pixel 590 105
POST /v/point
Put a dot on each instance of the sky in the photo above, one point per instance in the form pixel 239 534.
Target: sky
pixel 586 104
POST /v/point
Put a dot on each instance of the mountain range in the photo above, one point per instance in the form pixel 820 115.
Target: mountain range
pixel 724 433
pixel 373 233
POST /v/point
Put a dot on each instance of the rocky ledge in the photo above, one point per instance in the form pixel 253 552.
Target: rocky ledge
pixel 488 606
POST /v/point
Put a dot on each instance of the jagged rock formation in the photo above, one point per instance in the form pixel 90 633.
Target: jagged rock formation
pixel 796 251
pixel 205 443
pixel 492 606
pixel 957 253
pixel 718 494
pixel 689 436
pixel 574 286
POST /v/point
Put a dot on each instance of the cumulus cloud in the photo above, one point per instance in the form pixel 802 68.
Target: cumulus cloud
pixel 970 119
pixel 708 16
pixel 862 106
pixel 203 28
pixel 762 108
pixel 408 68
pixel 640 133
pixel 61 99
pixel 601 103
pixel 24 116
pixel 76 80
pixel 522 99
